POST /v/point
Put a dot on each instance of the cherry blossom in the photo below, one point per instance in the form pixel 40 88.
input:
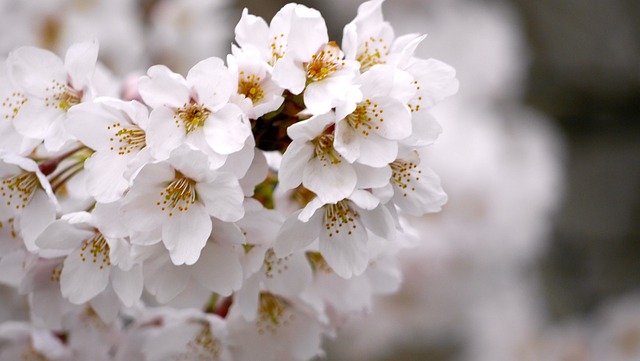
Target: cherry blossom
pixel 178 197
pixel 51 87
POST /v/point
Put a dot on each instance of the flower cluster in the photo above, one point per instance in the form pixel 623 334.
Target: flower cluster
pixel 238 213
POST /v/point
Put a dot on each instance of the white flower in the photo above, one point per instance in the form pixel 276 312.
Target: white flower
pixel 282 330
pixel 51 88
pixel 188 335
pixel 218 268
pixel 26 196
pixel 369 130
pixel 41 283
pixel 194 110
pixel 178 197
pixel 115 130
pixel 293 20
pixel 11 100
pixel 416 188
pixel 307 34
pixel 341 229
pixel 312 160
pixel 264 271
pixel 256 94
pixel 328 77
pixel 94 259
pixel 23 341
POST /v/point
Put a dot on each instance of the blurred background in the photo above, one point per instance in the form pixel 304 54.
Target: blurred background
pixel 537 254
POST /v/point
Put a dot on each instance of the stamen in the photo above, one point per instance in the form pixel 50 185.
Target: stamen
pixel 98 251
pixel 192 116
pixel 204 347
pixel 63 96
pixel 278 47
pixel 318 262
pixel 180 194
pixel 402 174
pixel 273 313
pixel 324 62
pixel 324 149
pixel 126 139
pixel 16 191
pixel 249 86
pixel 11 105
pixel 339 215
pixel 273 264
pixel 372 52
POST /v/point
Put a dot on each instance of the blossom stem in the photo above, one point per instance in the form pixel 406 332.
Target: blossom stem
pixel 68 174
pixel 223 308
pixel 49 166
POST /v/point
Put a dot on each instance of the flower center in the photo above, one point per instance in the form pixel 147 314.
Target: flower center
pixel 249 86
pixel 273 313
pixel 180 194
pixel 402 172
pixel 192 116
pixel 96 250
pixel 324 149
pixel 324 62
pixel 363 118
pixel 203 347
pixel 64 97
pixel 31 354
pixel 126 139
pixel 318 262
pixel 339 215
pixel 273 264
pixel 16 191
pixel 372 52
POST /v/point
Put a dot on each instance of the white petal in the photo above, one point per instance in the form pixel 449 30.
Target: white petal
pixel 61 235
pixel 347 141
pixel 225 130
pixel 105 175
pixel 346 253
pixel 331 182
pixel 127 284
pixel 248 296
pixel 296 235
pixel 212 82
pixel 219 269
pixel 222 197
pixel 185 234
pixel 395 122
pixel 292 276
pixel 164 133
pixel 81 280
pixel 252 31
pixel 190 162
pixel 35 118
pixel 80 61
pixel 39 213
pixel 289 74
pixel 370 177
pixel 34 69
pixel 312 127
pixel 293 162
pixel 376 151
pixel 380 222
pixel 164 280
pixel 162 87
